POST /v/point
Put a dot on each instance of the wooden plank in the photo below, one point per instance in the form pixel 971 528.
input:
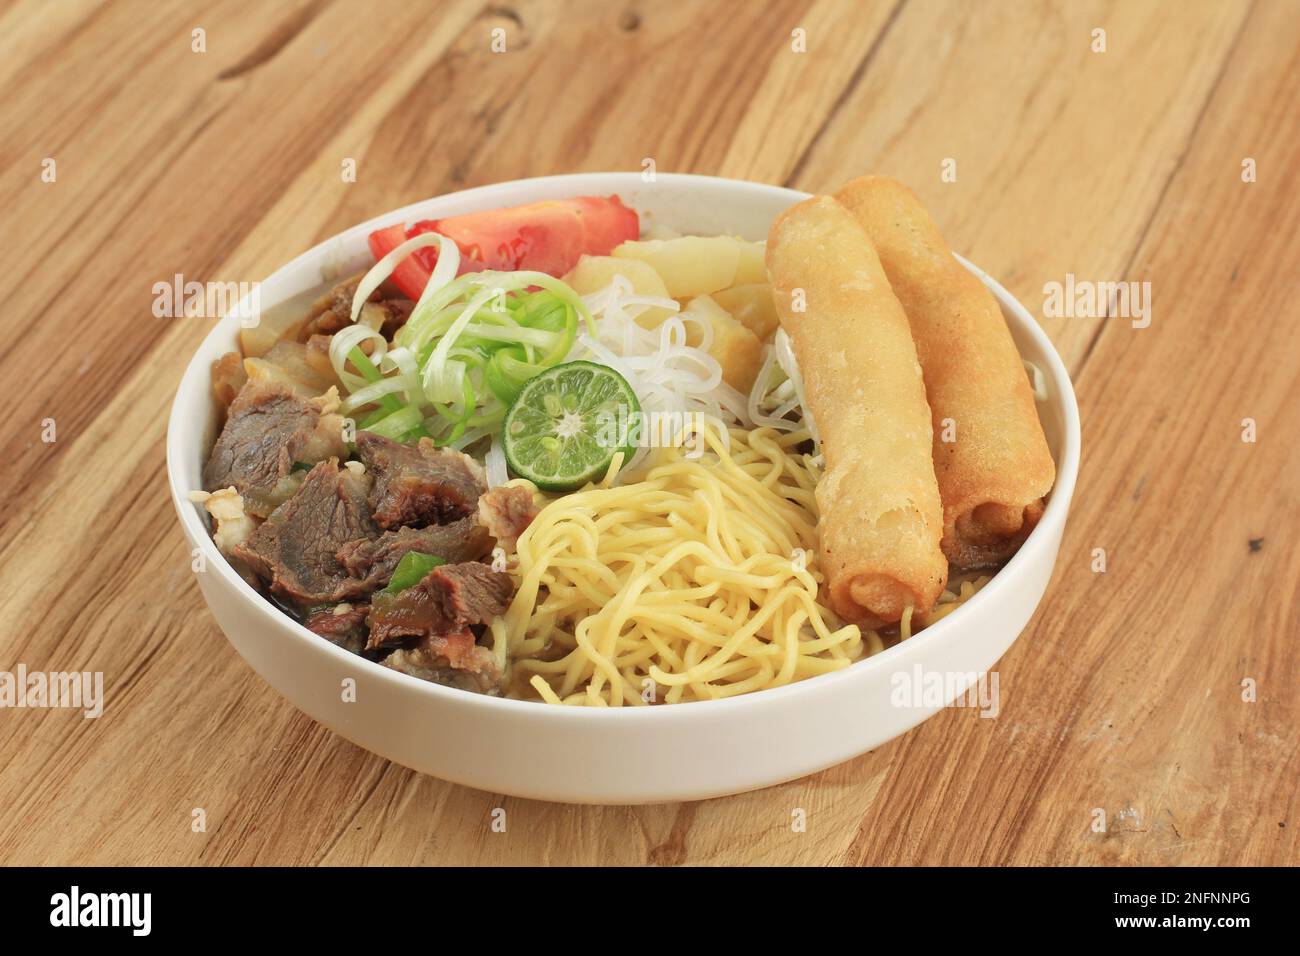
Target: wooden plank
pixel 820 62
pixel 1059 161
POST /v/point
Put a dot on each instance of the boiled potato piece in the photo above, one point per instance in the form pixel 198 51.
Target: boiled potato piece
pixel 689 266
pixel 750 267
pixel 751 304
pixel 737 349
pixel 593 273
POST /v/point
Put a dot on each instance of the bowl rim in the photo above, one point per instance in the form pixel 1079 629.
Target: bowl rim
pixel 1054 514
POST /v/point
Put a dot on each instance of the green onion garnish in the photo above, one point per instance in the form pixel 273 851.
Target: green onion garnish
pixel 463 356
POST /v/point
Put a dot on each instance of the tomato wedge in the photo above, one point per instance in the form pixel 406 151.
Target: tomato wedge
pixel 410 276
pixel 548 236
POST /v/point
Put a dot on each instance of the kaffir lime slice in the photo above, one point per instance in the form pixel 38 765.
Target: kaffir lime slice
pixel 567 423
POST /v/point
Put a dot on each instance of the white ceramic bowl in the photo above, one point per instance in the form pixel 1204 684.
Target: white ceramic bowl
pixel 624 755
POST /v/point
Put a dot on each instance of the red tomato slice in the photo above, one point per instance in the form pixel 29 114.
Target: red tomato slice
pixel 428 256
pixel 410 275
pixel 548 236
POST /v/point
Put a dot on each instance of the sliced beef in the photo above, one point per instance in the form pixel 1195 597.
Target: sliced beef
pixel 333 311
pixel 452 659
pixel 269 428
pixel 295 549
pixel 451 598
pixel 375 559
pixel 343 624
pixel 469 593
pixel 419 485
pixel 506 513
pixel 390 313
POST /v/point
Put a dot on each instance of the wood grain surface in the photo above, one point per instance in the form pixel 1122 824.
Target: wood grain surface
pixel 1162 693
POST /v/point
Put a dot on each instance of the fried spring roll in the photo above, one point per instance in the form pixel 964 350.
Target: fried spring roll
pixel 881 517
pixel 990 454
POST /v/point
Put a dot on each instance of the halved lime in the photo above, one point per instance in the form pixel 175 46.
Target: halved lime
pixel 567 423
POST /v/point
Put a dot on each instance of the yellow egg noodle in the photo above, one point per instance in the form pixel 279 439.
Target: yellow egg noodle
pixel 693 580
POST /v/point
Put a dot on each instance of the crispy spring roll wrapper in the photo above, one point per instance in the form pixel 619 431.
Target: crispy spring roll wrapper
pixel 994 475
pixel 881 516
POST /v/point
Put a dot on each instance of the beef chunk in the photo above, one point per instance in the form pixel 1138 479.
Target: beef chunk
pixel 333 311
pixel 269 429
pixel 375 559
pixel 294 549
pixel 506 513
pixel 452 659
pixel 451 598
pixel 419 485
pixel 469 593
pixel 343 624
pixel 391 313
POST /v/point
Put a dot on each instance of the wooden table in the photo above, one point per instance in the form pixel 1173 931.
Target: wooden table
pixel 1161 692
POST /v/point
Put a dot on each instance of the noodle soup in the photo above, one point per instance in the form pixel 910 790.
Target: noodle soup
pixel 416 462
